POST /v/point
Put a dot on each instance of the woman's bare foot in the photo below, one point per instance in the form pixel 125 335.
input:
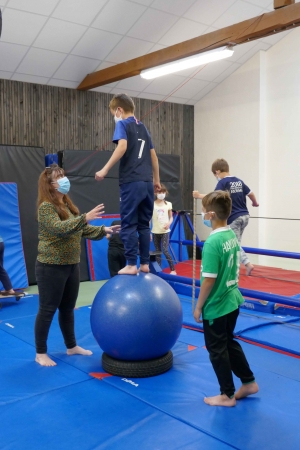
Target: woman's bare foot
pixel 249 268
pixel 247 389
pixel 44 360
pixel 144 268
pixel 78 351
pixel 220 400
pixel 128 270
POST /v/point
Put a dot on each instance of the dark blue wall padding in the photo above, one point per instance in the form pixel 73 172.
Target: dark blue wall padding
pixel 10 230
pixel 97 250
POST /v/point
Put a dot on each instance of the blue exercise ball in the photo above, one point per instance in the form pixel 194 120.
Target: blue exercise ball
pixel 136 318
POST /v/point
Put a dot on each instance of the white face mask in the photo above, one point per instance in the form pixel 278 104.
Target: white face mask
pixel 161 196
pixel 117 119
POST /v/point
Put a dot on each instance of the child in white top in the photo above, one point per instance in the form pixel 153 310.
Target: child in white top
pixel 161 221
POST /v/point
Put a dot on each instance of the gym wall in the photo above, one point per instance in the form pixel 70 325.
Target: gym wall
pixel 59 118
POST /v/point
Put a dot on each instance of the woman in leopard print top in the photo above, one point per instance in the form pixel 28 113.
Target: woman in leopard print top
pixel 61 228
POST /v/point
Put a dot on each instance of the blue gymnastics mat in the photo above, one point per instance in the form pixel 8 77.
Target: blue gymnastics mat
pixel 65 406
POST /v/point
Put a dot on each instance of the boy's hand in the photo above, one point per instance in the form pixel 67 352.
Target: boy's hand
pixel 197 314
pixel 157 186
pixel 167 226
pixel 197 195
pixel 255 204
pixel 99 176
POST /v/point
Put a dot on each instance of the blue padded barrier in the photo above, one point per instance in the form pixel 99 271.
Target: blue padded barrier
pixel 10 230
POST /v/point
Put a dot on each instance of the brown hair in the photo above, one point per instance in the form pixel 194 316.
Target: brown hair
pixel 163 190
pixel 47 193
pixel 122 101
pixel 219 202
pixel 220 164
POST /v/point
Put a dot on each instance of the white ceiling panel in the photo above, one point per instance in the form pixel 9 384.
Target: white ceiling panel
pixel 152 25
pixel 41 62
pixel 238 12
pixel 261 3
pixel 127 91
pixel 34 6
pixel 211 71
pixel 128 48
pixel 173 99
pixel 128 14
pixel 3 2
pixel 104 89
pixel 157 47
pixel 5 75
pixel 21 27
pixel 271 40
pixel 227 72
pixel 78 11
pixel 207 11
pixel 75 68
pixel 149 96
pixel 259 46
pixel 11 56
pixel 59 36
pixel 136 83
pixel 242 49
pixel 104 65
pixel 192 102
pixel 205 91
pixel 164 85
pixel 191 88
pixel 177 7
pixel 63 83
pixel 29 78
pixel 181 31
pixel 96 44
pixel 142 2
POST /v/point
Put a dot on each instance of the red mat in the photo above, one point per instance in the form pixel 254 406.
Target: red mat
pixel 266 279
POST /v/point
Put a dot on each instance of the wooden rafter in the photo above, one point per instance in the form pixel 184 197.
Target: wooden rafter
pixel 256 28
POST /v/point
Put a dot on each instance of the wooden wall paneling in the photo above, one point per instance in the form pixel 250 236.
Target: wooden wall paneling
pixel 58 118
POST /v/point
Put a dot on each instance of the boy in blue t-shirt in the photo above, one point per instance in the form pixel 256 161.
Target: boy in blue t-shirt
pixel 219 301
pixel 239 217
pixel 138 172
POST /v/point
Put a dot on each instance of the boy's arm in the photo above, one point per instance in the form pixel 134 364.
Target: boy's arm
pixel 205 290
pixel 155 168
pixel 253 199
pixel 196 194
pixel 116 156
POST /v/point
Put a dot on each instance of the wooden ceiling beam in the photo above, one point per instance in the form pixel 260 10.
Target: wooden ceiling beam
pixel 256 28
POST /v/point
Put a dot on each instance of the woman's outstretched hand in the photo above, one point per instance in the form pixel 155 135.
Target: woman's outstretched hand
pixel 113 229
pixel 95 213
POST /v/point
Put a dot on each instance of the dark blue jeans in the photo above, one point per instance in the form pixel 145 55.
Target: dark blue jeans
pixel 58 289
pixel 4 278
pixel 136 209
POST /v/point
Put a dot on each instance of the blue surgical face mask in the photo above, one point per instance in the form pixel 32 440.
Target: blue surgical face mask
pixel 64 185
pixel 206 222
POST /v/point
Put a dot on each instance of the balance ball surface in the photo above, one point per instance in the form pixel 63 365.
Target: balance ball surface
pixel 136 318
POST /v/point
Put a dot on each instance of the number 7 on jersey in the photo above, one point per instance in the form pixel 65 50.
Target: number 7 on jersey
pixel 141 148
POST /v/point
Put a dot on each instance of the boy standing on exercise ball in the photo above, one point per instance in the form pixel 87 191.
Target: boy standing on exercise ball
pixel 219 301
pixel 138 172
pixel 239 217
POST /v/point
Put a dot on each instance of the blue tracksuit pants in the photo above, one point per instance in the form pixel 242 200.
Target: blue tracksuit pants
pixel 136 210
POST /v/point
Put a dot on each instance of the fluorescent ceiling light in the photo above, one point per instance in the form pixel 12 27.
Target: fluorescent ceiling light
pixel 187 63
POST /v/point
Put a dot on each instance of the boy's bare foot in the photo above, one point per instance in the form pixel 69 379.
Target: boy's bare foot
pixel 78 351
pixel 220 400
pixel 247 389
pixel 249 268
pixel 128 270
pixel 173 272
pixel 144 268
pixel 44 360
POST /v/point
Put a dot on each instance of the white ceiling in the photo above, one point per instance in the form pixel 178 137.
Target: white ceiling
pixel 58 42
